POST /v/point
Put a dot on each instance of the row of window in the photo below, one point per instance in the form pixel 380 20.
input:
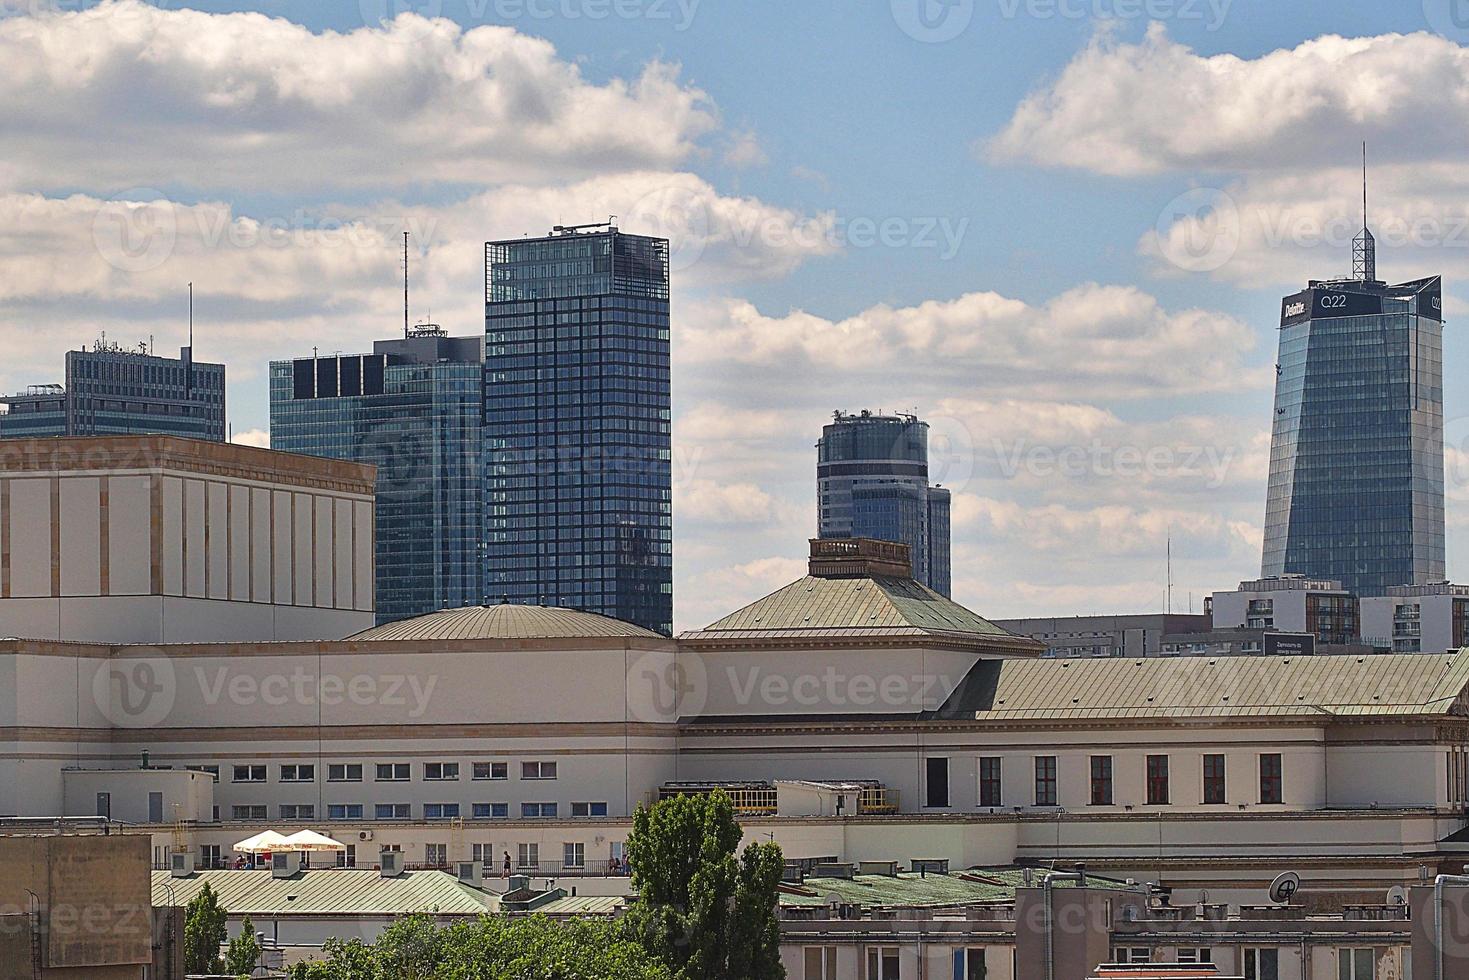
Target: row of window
pixel 1158 785
pixel 404 811
pixel 387 772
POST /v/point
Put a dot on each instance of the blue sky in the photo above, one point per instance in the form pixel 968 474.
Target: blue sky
pixel 1027 293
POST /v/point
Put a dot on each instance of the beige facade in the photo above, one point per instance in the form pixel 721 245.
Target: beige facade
pixel 152 539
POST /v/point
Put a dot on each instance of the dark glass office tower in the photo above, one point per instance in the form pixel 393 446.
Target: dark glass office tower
pixel 872 482
pixel 112 390
pixel 413 409
pixel 578 452
pixel 1356 489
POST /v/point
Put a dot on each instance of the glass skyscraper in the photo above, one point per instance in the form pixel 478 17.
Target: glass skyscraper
pixel 112 390
pixel 1356 491
pixel 413 409
pixel 578 452
pixel 872 482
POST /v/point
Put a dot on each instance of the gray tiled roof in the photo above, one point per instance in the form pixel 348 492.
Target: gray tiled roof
pixel 857 606
pixel 506 621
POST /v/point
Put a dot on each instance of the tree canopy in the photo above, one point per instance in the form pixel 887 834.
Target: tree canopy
pixel 488 948
pixel 204 932
pixel 703 908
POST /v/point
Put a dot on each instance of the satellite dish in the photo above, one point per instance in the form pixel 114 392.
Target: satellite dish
pixel 1397 895
pixel 1284 887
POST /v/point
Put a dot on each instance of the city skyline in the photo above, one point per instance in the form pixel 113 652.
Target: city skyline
pixel 1086 314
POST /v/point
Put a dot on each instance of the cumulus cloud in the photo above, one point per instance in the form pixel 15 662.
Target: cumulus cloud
pixel 1116 339
pixel 243 100
pixel 1157 105
pixel 258 438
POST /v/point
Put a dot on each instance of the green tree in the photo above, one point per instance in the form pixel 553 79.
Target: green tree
pixel 243 955
pixel 706 912
pixel 489 948
pixel 204 932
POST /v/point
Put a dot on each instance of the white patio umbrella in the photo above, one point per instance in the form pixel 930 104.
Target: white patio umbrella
pixel 310 840
pixel 264 842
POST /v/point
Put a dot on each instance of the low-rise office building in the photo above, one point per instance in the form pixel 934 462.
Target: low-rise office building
pixel 1418 618
pixel 1290 604
pixel 1106 636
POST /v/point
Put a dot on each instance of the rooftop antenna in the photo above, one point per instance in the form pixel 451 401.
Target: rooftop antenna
pixel 1168 601
pixel 1364 246
pixel 405 285
pixel 189 367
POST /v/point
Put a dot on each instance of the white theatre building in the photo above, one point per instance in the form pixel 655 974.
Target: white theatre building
pixel 854 715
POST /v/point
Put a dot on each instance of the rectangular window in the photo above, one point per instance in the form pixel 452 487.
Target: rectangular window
pixel 298 774
pixel 1262 964
pixel 298 811
pixel 491 770
pixel 574 856
pixel 589 809
pixel 819 963
pixel 1214 779
pixel 394 772
pixel 1045 780
pixel 1272 781
pixel 969 964
pixel 1157 780
pixel 440 771
pixel 344 811
pixel 538 809
pixel 1192 954
pixel 251 811
pixel 989 782
pixel 249 774
pixel 436 854
pixel 528 856
pixel 882 963
pixel 1101 780
pixel 1355 964
pixel 393 811
pixel 1132 954
pixel 440 811
pixel 344 772
pixel 937 783
pixel 491 811
pixel 538 770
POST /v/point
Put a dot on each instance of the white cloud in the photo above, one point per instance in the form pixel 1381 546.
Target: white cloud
pixel 1157 105
pixel 1112 339
pixel 243 100
pixel 716 502
pixel 259 438
pixel 744 150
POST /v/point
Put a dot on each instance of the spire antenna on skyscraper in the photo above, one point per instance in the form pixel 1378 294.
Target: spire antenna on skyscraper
pixel 1364 246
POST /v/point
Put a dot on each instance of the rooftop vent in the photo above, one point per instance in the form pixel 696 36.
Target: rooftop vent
pixel 860 558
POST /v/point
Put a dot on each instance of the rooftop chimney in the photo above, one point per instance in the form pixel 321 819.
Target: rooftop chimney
pixel 860 558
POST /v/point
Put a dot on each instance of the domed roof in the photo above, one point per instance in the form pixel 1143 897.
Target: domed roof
pixel 506 621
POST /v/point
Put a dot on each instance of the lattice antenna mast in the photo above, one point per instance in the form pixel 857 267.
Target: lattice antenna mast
pixel 1364 246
